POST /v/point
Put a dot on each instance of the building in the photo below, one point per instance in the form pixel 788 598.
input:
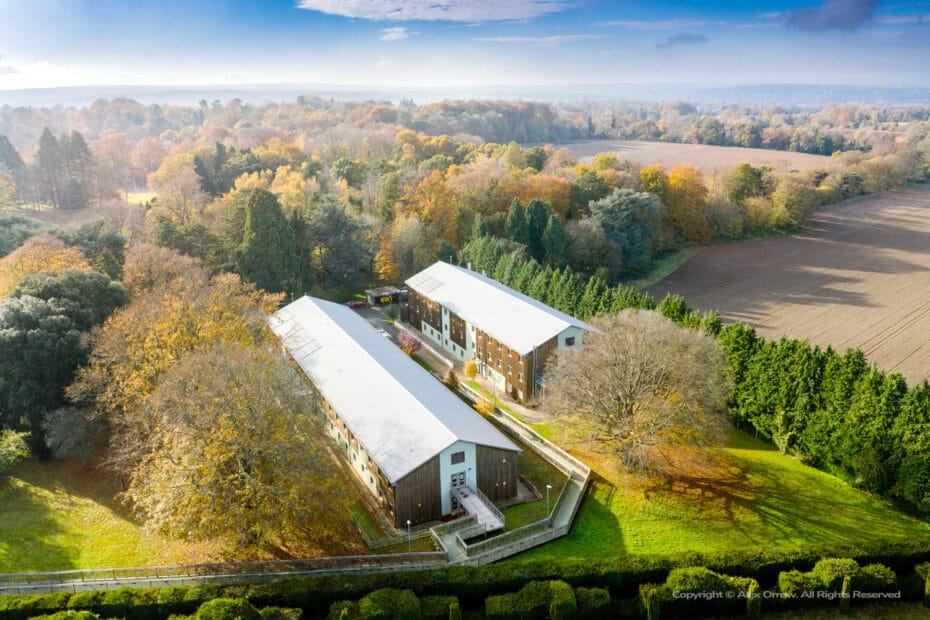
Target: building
pixel 508 334
pixel 385 295
pixel 416 446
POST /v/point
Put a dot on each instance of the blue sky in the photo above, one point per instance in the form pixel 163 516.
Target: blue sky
pixel 462 42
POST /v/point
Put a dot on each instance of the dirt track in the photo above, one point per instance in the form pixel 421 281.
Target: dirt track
pixel 859 277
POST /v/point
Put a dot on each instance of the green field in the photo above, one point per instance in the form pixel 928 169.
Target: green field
pixel 661 268
pixel 56 516
pixel 756 498
pixel 139 198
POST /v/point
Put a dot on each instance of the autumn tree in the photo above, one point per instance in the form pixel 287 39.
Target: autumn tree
pixel 178 188
pixel 13 448
pixel 238 449
pixel 641 388
pixel 409 343
pixel 141 342
pixel 41 254
pixel 148 267
pixel 685 204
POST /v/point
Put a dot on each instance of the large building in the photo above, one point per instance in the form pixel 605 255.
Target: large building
pixel 508 334
pixel 416 446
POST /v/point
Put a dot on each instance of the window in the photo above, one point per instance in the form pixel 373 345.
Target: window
pixel 458 457
pixel 509 369
pixel 519 376
pixel 570 341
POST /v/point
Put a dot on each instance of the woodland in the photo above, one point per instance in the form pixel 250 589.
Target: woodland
pixel 143 244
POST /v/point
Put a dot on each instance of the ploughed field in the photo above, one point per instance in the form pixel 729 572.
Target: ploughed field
pixel 704 157
pixel 859 276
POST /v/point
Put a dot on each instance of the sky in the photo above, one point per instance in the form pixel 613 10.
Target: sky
pixel 410 43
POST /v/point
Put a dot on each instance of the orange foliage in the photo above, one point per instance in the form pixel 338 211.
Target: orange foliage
pixel 687 196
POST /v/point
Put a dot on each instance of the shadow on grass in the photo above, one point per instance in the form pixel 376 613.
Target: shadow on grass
pixel 29 529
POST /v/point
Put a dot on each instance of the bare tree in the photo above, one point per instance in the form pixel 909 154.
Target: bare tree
pixel 641 387
pixel 73 432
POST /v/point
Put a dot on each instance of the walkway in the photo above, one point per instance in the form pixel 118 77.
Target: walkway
pixel 473 505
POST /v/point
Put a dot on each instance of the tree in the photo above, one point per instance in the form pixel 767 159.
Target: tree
pixel 338 246
pixel 745 181
pixel 685 204
pixel 149 266
pixel 42 254
pixel 139 344
pixel 237 448
pixel 50 162
pixel 451 380
pixel 178 188
pixel 630 220
pixel 13 448
pixel 73 432
pixel 409 343
pixel 104 249
pixel 642 388
pixel 470 368
pixel 555 243
pixel 40 349
pixel 485 407
pixel 87 297
pixel 267 255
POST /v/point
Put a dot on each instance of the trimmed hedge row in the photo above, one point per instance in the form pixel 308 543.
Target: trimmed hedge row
pixel 471 585
pixel 537 599
pixel 395 604
pixel 697 591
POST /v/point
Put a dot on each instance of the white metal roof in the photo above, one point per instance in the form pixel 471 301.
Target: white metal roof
pixel 400 413
pixel 519 321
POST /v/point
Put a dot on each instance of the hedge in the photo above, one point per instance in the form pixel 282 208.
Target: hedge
pixel 593 603
pixel 622 576
pixel 437 606
pixel 389 604
pixel 698 591
pixel 537 599
pixel 227 609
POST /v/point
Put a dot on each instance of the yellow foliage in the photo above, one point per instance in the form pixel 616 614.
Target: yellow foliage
pixel 43 254
pixel 470 368
pixel 484 407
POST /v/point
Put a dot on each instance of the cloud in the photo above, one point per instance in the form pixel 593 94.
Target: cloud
pixel 394 34
pixel 681 39
pixel 8 70
pixel 550 40
pixel 832 15
pixel 665 24
pixel 921 18
pixel 431 10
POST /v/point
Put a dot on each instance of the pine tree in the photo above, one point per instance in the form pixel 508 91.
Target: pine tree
pixel 50 164
pixel 555 243
pixel 268 255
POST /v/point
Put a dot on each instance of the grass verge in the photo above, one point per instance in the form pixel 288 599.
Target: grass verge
pixel 661 268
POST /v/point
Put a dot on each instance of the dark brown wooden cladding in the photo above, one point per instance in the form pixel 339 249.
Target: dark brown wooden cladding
pixel 495 468
pixel 418 495
pixel 424 309
pixel 516 368
pixel 457 329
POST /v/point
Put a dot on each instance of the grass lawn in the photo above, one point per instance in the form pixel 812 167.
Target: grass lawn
pixel 661 268
pixel 494 399
pixel 750 497
pixel 56 516
pixel 139 198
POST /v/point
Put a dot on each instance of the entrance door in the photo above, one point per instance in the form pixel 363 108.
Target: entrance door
pixel 458 480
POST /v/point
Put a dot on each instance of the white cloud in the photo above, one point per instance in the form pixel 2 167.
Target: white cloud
pixel 665 24
pixel 394 34
pixel 550 40
pixel 431 10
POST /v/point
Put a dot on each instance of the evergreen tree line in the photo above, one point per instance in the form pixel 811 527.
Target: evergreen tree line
pixel 835 412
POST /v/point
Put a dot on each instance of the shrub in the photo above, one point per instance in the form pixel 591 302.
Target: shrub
pixel 534 598
pixel 69 614
pixel 280 613
pixel 227 609
pixel 795 582
pixel 650 594
pixel 562 603
pixel 455 612
pixel 437 607
pixel 593 602
pixel 340 610
pixel 753 602
pixel 389 604
pixel 391 313
pixel 451 380
pixel 115 603
pixel 470 368
pixel 502 607
pixel 695 579
pixel 84 600
pixel 830 571
pixel 876 578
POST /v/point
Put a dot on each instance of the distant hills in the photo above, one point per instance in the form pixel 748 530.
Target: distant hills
pixel 789 94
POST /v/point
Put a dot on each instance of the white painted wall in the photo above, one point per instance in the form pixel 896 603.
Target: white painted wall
pixel 446 469
pixel 571 332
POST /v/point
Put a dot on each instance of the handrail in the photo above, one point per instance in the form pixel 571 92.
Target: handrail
pixel 494 510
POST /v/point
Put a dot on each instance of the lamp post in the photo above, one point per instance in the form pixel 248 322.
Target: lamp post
pixel 548 486
pixel 408 539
